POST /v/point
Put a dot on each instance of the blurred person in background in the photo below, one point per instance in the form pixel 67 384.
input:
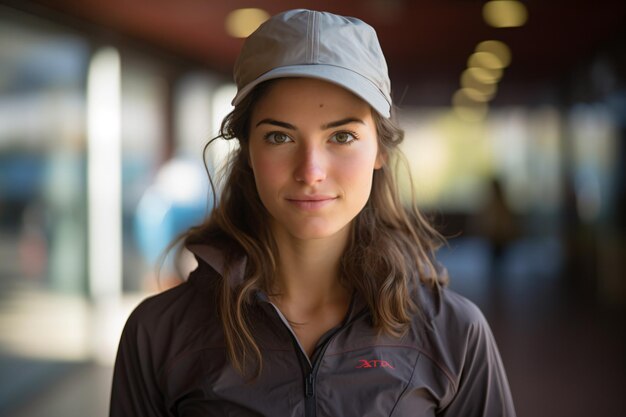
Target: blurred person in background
pixel 497 223
pixel 316 290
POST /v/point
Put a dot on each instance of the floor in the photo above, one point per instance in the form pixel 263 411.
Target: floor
pixel 564 354
pixel 82 392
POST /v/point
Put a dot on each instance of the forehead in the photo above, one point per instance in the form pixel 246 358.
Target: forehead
pixel 306 95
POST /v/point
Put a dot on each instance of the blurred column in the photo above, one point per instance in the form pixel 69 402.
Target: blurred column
pixel 104 174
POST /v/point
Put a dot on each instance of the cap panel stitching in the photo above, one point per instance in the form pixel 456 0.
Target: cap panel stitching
pixel 309 37
pixel 316 38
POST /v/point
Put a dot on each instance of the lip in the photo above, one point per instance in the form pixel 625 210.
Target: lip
pixel 311 202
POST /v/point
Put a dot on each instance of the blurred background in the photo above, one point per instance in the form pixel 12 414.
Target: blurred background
pixel 515 119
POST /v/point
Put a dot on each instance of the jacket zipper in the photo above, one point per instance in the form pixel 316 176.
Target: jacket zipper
pixel 309 380
pixel 309 395
pixel 310 371
pixel 309 390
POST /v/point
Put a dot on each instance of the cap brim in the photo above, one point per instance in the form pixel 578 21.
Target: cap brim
pixel 350 80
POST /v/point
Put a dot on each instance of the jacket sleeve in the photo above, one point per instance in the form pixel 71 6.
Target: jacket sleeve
pixel 135 391
pixel 482 388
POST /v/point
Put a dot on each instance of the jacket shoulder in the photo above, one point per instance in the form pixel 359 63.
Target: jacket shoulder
pixel 193 298
pixel 163 331
pixel 448 311
pixel 459 340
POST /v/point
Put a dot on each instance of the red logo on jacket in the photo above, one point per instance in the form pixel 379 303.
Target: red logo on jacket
pixel 374 363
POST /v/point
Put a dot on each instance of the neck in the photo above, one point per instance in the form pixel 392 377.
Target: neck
pixel 309 270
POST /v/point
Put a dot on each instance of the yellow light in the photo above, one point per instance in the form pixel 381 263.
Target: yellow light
pixel 241 23
pixel 467 107
pixel 482 75
pixel 498 49
pixel 467 98
pixel 473 94
pixel 486 60
pixel 505 13
pixel 494 73
pixel 471 114
pixel 487 90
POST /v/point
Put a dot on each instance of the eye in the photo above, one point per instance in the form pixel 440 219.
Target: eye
pixel 344 138
pixel 276 138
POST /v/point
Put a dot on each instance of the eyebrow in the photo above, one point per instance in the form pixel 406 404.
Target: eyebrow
pixel 276 123
pixel 342 122
pixel 329 125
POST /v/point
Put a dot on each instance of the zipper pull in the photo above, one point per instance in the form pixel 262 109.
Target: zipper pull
pixel 309 389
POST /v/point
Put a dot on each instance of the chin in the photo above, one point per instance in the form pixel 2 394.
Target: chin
pixel 312 228
pixel 318 232
pixel 312 234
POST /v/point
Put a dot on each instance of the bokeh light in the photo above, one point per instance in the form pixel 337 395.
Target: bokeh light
pixel 240 23
pixel 505 13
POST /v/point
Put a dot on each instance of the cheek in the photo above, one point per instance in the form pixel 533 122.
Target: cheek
pixel 268 173
pixel 357 173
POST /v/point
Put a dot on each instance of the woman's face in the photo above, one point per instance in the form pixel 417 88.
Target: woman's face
pixel 313 150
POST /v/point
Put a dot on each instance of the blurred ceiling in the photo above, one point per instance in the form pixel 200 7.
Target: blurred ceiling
pixel 427 42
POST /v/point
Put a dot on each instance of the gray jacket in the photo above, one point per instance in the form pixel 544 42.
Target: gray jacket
pixel 172 360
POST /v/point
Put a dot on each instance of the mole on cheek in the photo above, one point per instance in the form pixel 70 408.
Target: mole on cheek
pixel 321 105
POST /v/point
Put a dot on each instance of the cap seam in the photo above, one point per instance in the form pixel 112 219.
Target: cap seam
pixel 316 37
pixel 309 37
pixel 329 65
pixel 347 69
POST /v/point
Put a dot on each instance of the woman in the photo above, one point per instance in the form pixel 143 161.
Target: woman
pixel 316 291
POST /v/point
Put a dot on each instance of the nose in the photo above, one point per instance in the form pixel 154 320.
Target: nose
pixel 311 166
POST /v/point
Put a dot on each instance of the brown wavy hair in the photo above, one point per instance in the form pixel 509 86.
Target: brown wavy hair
pixel 391 244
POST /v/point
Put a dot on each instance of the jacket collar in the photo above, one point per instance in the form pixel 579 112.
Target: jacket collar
pixel 216 259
